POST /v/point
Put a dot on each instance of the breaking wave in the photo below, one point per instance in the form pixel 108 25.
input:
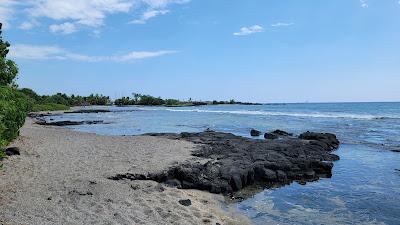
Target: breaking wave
pixel 294 114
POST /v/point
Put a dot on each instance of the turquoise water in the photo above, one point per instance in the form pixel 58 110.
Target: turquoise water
pixel 364 189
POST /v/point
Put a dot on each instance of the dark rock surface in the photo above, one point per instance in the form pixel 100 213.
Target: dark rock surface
pixel 276 134
pixel 281 133
pixel 325 140
pixel 68 123
pixel 12 151
pixel 234 162
pixel 185 202
pixel 41 115
pixel 255 133
pixel 271 136
pixel 88 111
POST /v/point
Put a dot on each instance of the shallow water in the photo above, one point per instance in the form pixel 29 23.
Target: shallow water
pixel 364 189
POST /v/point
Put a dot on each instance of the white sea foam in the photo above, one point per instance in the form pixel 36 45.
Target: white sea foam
pixel 292 114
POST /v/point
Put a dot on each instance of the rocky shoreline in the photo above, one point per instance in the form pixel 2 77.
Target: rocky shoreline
pixel 227 163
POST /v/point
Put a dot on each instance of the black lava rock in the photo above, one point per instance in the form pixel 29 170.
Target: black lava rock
pixel 271 136
pixel 281 133
pixel 68 123
pixel 185 202
pixel 255 133
pixel 12 151
pixel 88 111
pixel 321 139
pixel 277 134
pixel 236 162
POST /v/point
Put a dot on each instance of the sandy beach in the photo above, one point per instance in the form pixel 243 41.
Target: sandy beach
pixel 61 177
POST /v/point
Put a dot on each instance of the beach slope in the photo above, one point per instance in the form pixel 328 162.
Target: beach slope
pixel 61 177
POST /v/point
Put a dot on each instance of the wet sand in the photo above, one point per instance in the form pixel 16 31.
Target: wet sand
pixel 61 177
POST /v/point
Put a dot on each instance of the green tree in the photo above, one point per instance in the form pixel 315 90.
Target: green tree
pixel 13 104
pixel 31 94
pixel 136 97
pixel 8 68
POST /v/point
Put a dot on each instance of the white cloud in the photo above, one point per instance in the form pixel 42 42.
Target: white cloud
pixel 28 25
pixel 280 24
pixel 129 57
pixel 155 8
pixel 85 12
pixel 36 52
pixel 6 11
pixel 163 3
pixel 364 3
pixel 132 56
pixel 249 30
pixel 64 28
pixel 73 14
pixel 22 51
pixel 148 15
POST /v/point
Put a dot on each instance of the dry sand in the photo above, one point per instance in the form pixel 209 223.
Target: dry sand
pixel 61 178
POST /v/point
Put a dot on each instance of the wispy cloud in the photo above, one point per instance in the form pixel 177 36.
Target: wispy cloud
pixel 36 52
pixel 155 8
pixel 148 15
pixel 28 25
pixel 249 30
pixel 22 51
pixel 64 28
pixel 67 16
pixel 280 24
pixel 364 3
pixel 163 3
pixel 85 12
pixel 6 11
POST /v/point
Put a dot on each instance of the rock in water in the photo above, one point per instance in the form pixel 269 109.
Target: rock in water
pixel 255 133
pixel 228 163
pixel 322 139
pixel 88 111
pixel 68 123
pixel 277 134
pixel 282 133
pixel 270 136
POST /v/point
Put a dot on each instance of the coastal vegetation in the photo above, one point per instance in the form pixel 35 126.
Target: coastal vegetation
pixel 148 100
pixel 61 101
pixel 13 104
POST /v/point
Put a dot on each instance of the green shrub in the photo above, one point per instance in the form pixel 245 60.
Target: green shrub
pixel 150 100
pixel 14 105
pixel 124 101
pixel 31 94
pixel 49 107
pixel 172 102
pixel 2 156
pixel 8 68
pixel 13 109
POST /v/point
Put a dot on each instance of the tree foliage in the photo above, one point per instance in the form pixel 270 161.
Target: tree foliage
pixel 8 68
pixel 13 104
pixel 60 99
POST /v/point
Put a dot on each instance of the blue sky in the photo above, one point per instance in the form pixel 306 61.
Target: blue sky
pixel 255 50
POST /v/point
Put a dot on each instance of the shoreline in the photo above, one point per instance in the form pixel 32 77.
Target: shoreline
pixel 61 177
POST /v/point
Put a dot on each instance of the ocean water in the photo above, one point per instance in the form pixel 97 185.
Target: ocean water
pixel 364 189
